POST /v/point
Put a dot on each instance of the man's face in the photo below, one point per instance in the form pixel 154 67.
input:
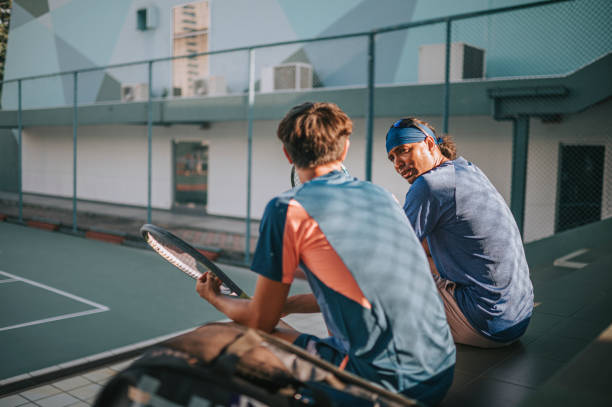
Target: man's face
pixel 411 160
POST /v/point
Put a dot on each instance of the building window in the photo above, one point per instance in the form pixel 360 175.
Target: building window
pixel 581 179
pixel 190 36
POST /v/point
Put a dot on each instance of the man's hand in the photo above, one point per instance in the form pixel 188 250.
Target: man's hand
pixel 208 286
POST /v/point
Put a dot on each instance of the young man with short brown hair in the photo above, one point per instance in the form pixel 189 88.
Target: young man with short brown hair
pixel 366 268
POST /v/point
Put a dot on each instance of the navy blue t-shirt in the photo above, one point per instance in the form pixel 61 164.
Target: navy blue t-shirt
pixel 474 242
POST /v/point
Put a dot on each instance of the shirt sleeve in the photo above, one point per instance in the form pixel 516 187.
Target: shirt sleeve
pixel 268 258
pixel 422 208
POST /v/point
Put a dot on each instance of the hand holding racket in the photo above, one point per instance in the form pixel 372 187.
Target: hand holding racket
pixel 209 286
pixel 185 257
pixel 189 260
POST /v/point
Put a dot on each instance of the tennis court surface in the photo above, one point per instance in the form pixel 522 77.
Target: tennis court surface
pixel 66 298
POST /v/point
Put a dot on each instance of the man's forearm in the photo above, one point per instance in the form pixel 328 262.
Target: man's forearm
pixel 239 310
pixel 301 304
pixel 262 311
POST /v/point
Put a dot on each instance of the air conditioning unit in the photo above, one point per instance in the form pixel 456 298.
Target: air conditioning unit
pixel 134 92
pixel 147 18
pixel 466 62
pixel 209 86
pixel 290 76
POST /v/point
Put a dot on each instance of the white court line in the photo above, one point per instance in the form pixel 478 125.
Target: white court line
pixel 59 317
pixel 98 307
pixel 563 261
pixel 8 281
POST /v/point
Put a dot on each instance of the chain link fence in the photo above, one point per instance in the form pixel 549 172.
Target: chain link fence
pixel 536 77
pixel 552 52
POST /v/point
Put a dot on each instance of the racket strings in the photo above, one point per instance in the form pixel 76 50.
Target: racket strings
pixel 173 257
pixel 181 261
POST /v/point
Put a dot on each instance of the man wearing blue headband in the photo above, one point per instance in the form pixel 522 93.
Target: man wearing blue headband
pixel 474 247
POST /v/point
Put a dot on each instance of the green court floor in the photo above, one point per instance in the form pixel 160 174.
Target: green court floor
pixel 65 297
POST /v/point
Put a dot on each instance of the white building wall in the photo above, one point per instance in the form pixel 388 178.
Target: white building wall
pixel 47 160
pixel 112 161
pixel 111 164
pixel 227 167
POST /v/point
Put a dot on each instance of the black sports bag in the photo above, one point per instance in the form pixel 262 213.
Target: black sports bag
pixel 230 365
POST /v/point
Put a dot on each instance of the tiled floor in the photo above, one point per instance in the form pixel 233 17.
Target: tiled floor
pixel 75 391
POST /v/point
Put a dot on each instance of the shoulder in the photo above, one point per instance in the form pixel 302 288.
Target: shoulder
pixel 463 166
pixel 379 193
pixel 438 180
pixel 279 204
pixel 444 172
pixel 462 162
pixel 470 177
pixel 348 188
pixel 372 188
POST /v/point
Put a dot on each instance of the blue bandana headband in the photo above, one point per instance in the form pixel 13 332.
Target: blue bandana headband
pixel 396 136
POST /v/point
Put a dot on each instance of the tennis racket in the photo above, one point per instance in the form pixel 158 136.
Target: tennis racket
pixel 189 260
pixel 295 179
pixel 186 258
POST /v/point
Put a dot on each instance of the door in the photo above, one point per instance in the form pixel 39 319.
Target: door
pixel 190 174
pixel 580 185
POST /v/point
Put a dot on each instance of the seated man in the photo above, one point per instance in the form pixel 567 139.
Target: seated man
pixel 468 230
pixel 366 268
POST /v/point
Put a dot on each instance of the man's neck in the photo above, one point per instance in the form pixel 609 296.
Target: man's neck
pixel 306 174
pixel 439 159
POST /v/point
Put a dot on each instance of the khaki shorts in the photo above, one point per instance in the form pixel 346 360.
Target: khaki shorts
pixel 463 332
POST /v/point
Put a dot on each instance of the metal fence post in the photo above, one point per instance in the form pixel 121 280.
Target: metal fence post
pixel 20 154
pixel 520 147
pixel 251 103
pixel 447 77
pixel 370 108
pixel 75 124
pixel 149 140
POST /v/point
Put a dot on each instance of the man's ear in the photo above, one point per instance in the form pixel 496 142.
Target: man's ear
pixel 287 155
pixel 346 148
pixel 431 144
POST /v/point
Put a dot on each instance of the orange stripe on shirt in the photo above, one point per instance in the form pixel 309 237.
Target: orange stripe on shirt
pixel 303 240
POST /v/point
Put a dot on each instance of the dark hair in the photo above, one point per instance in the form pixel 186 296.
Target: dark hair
pixel 447 146
pixel 314 133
